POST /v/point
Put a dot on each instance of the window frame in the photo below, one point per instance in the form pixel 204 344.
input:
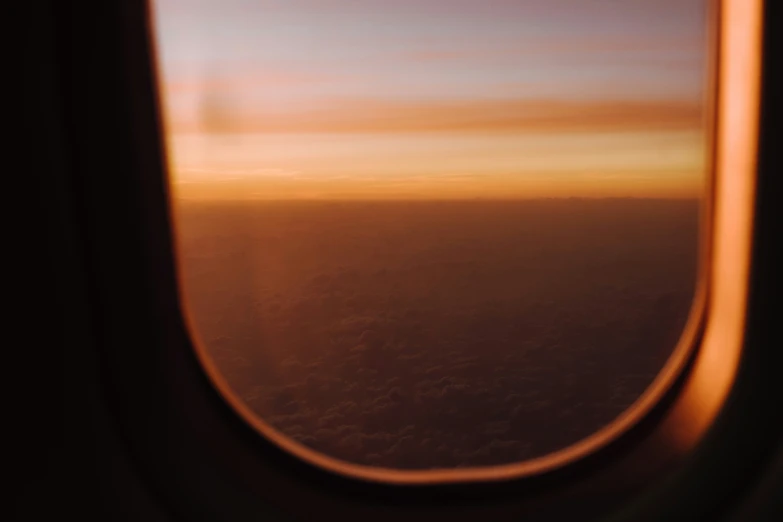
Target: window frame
pixel 184 437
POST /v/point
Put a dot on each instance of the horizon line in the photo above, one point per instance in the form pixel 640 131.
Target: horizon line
pixel 175 198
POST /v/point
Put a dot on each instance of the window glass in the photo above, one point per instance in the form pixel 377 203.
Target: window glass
pixel 426 234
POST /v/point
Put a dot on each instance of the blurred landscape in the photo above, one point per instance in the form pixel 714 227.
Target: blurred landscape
pixel 423 334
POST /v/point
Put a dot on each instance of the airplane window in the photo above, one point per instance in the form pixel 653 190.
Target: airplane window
pixel 431 234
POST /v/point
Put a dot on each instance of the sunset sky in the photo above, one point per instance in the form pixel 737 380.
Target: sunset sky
pixel 276 99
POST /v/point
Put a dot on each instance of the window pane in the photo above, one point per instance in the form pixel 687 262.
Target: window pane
pixel 437 234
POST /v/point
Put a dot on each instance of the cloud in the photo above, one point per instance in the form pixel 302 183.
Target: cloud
pixel 643 49
pixel 235 174
pixel 231 82
pixel 370 116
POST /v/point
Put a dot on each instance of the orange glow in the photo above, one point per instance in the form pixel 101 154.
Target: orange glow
pixel 740 74
pixel 509 187
pixel 485 116
pixel 436 116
